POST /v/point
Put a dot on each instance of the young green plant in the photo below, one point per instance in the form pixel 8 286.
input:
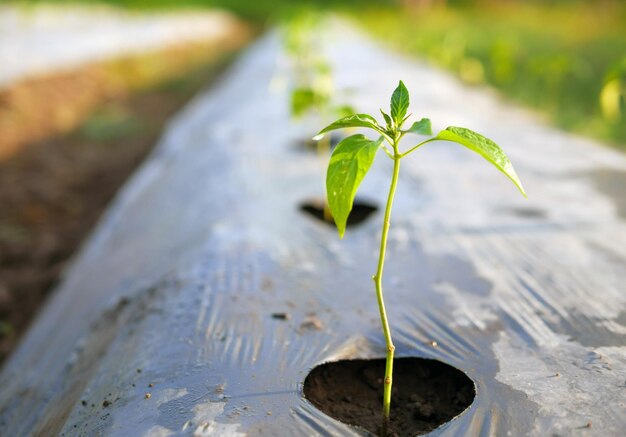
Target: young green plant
pixel 313 90
pixel 352 159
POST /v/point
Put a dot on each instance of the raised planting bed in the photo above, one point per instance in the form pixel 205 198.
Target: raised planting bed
pixel 208 302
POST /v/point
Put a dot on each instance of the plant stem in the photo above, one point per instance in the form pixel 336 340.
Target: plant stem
pixel 378 280
pixel 412 149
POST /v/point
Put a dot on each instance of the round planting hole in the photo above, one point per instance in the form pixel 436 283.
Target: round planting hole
pixel 311 145
pixel 426 393
pixel 528 213
pixel 361 210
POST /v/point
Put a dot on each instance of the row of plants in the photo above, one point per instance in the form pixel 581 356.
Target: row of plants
pixel 312 92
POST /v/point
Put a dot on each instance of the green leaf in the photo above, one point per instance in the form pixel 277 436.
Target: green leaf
pixel 484 147
pixel 349 163
pixel 387 119
pixel 422 127
pixel 355 120
pixel 399 103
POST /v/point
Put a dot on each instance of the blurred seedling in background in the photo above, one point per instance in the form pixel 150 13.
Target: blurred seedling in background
pixel 352 159
pixel 313 89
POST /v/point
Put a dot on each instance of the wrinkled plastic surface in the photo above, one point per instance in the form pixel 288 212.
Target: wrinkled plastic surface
pixel 178 284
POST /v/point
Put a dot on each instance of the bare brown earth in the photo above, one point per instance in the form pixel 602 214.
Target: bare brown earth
pixel 67 143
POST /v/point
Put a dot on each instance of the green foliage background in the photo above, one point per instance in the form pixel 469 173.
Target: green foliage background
pixel 258 10
pixel 558 57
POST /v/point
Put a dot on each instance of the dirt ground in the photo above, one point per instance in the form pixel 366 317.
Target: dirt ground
pixel 67 143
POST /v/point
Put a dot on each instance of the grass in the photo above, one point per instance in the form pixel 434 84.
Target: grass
pixel 566 60
pixel 258 11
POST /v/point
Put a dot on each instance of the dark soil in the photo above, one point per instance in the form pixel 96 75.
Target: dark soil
pixel 53 189
pixel 361 210
pixel 425 394
pixel 311 145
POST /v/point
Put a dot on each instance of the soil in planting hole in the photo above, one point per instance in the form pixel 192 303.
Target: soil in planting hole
pixel 361 210
pixel 426 394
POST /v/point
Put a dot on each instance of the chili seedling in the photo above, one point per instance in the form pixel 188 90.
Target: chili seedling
pixel 352 159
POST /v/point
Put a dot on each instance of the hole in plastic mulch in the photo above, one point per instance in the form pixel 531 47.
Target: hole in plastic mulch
pixel 361 210
pixel 528 213
pixel 426 394
pixel 311 145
